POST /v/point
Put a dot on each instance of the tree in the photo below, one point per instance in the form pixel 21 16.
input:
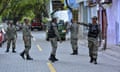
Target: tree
pixel 17 9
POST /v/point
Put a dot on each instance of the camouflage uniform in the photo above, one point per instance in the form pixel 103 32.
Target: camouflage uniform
pixel 94 34
pixel 93 46
pixel 74 38
pixel 11 34
pixel 27 41
pixel 53 41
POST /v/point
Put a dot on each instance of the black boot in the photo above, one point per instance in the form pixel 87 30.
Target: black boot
pixel 75 52
pixel 29 58
pixel 91 59
pixel 55 58
pixel 95 61
pixel 7 50
pixel 13 51
pixel 52 58
pixel 22 55
pixel 0 44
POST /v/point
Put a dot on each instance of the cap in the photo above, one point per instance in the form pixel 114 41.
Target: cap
pixel 94 17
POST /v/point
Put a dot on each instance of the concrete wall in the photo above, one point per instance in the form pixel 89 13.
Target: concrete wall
pixel 113 16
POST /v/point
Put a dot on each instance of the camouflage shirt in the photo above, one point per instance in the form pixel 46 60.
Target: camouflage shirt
pixel 26 31
pixel 11 32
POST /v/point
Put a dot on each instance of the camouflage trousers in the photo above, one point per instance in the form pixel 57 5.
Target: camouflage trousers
pixel 54 45
pixel 13 41
pixel 27 43
pixel 93 47
pixel 74 44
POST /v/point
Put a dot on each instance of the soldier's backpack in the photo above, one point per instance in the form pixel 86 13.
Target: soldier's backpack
pixel 51 32
pixel 93 31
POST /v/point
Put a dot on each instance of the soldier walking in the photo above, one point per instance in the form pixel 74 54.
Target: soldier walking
pixel 11 35
pixel 53 35
pixel 94 34
pixel 27 40
pixel 74 37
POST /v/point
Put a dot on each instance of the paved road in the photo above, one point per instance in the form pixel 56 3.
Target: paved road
pixel 12 62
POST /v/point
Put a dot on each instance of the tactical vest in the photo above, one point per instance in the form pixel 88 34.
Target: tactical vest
pixel 93 31
pixel 51 32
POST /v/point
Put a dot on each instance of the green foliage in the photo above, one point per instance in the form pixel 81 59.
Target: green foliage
pixel 22 8
pixel 45 20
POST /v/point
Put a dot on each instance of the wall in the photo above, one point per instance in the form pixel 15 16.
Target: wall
pixel 113 17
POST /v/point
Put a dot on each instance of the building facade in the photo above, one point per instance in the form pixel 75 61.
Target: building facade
pixel 108 14
pixel 113 17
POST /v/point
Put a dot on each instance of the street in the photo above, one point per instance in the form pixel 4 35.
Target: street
pixel 40 51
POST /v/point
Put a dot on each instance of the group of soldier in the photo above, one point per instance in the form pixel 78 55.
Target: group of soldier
pixel 93 35
pixel 11 36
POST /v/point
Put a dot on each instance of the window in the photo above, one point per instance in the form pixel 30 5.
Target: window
pixel 106 1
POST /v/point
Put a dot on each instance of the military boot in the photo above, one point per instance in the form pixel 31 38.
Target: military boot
pixel 7 50
pixel 13 50
pixel 52 58
pixel 95 61
pixel 28 57
pixel 91 59
pixel 75 52
pixel 22 55
pixel 55 58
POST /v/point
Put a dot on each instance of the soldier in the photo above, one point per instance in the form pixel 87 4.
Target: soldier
pixel 74 37
pixel 27 40
pixel 11 34
pixel 94 34
pixel 53 35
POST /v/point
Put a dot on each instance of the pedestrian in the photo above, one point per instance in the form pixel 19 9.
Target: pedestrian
pixel 11 35
pixel 74 37
pixel 94 34
pixel 53 35
pixel 27 40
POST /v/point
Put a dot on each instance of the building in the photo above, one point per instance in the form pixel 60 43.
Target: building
pixel 53 5
pixel 108 15
pixel 113 17
pixel 57 4
pixel 86 12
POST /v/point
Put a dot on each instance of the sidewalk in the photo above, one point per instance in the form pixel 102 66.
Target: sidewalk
pixel 112 50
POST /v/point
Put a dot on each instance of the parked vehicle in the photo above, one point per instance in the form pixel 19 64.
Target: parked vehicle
pixel 3 28
pixel 36 24
pixel 61 29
